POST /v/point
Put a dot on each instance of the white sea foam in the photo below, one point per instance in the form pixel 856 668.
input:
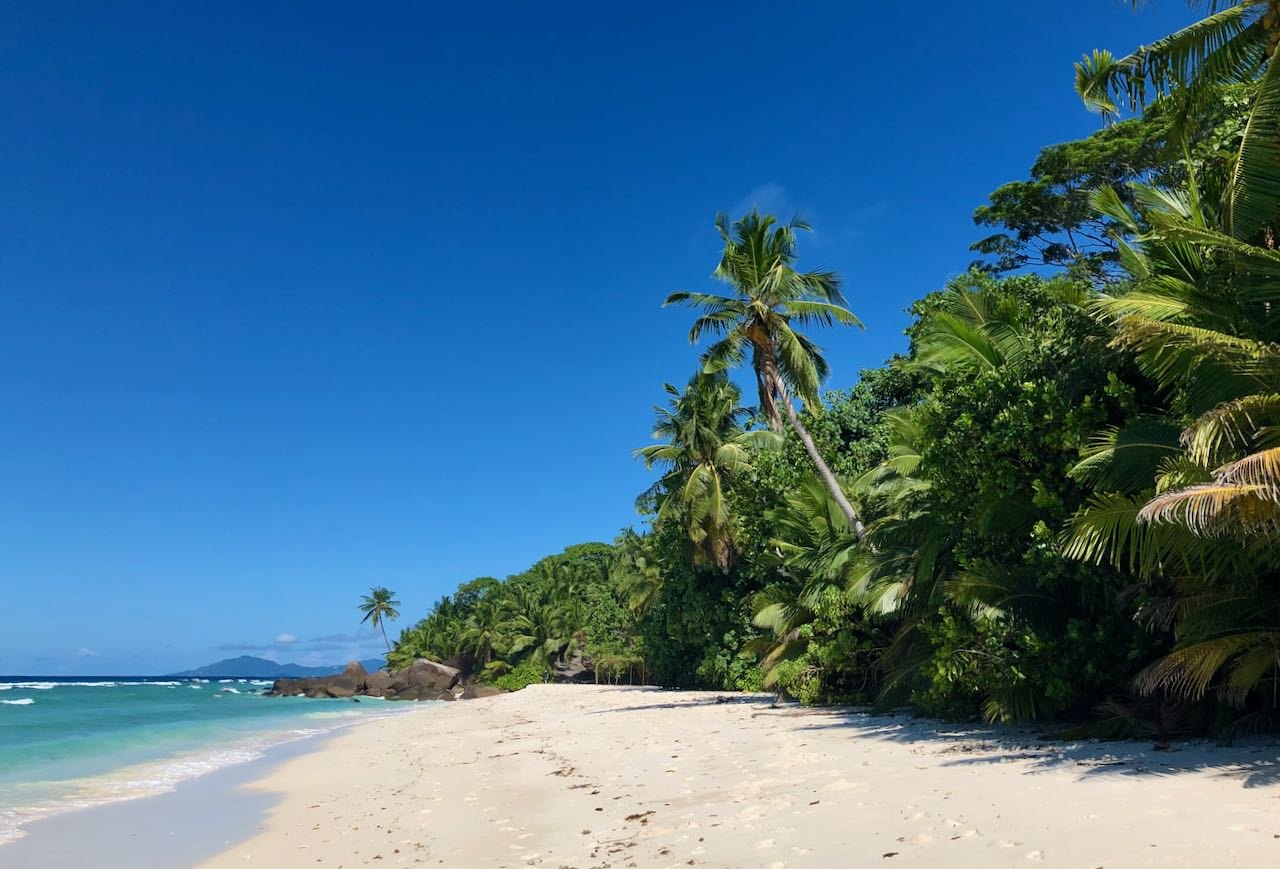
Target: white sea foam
pixel 25 701
pixel 158 777
pixel 197 687
pixel 230 691
pixel 31 686
pixel 49 686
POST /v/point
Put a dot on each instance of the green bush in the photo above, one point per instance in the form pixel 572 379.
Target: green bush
pixel 527 672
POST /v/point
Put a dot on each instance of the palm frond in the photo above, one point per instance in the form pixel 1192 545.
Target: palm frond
pixel 1255 185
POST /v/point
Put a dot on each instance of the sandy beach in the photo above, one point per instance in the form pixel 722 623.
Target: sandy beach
pixel 580 776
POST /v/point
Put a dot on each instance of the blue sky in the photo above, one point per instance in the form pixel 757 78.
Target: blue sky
pixel 299 299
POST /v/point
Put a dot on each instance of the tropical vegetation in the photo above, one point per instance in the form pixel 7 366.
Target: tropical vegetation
pixel 1061 500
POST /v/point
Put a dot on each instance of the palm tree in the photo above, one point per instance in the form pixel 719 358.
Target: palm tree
pixel 483 631
pixel 815 546
pixel 379 608
pixel 635 573
pixel 770 298
pixel 535 624
pixel 705 446
pixel 1190 500
pixel 1233 43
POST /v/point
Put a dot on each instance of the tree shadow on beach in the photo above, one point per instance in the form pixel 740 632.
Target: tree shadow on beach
pixel 687 699
pixel 1254 763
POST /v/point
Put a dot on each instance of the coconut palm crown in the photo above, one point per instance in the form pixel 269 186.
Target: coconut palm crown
pixel 379 607
pixel 759 321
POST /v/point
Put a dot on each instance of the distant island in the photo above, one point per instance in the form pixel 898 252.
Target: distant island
pixel 249 667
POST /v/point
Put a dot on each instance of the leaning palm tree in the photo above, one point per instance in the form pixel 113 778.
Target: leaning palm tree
pixel 1233 43
pixel 705 447
pixel 770 298
pixel 379 608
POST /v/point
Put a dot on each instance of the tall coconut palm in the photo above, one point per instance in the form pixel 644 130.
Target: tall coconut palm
pixel 770 299
pixel 705 446
pixel 1233 43
pixel 379 607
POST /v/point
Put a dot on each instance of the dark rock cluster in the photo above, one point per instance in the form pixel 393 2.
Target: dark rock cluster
pixel 422 680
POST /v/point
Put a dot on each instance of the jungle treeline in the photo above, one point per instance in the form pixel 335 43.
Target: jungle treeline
pixel 1060 501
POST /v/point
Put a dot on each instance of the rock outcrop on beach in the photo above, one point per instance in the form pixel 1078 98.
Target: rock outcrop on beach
pixel 422 680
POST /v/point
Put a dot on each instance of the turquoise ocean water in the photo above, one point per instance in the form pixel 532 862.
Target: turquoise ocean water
pixel 66 744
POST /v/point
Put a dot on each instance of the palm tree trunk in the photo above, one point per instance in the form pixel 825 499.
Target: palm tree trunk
pixel 384 636
pixel 768 402
pixel 832 484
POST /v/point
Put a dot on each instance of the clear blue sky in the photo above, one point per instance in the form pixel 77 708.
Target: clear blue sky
pixel 295 301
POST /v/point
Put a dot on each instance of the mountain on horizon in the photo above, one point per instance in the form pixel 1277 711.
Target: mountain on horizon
pixel 249 667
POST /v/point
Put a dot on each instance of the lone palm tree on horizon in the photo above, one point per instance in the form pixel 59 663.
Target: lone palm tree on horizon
pixel 379 607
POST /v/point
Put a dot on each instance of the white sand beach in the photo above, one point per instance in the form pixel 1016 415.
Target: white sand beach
pixel 582 776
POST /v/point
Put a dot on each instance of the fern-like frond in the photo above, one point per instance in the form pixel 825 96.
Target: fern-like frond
pixel 1215 508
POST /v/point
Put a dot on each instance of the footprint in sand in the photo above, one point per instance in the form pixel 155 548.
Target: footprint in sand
pixel 1035 856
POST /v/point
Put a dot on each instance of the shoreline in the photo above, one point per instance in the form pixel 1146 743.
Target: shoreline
pixel 192 822
pixel 585 776
pixel 160 822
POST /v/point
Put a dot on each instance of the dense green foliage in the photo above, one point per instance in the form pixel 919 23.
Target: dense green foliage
pixel 1063 497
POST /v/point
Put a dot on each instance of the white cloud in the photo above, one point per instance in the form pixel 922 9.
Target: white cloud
pixel 87 653
pixel 769 198
pixel 285 639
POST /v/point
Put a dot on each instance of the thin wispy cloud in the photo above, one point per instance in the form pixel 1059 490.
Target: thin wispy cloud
pixel 357 637
pixel 303 649
pixel 828 233
pixel 768 198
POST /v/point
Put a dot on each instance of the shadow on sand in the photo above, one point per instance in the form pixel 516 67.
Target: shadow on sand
pixel 1253 763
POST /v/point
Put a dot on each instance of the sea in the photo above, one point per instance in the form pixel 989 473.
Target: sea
pixel 70 743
